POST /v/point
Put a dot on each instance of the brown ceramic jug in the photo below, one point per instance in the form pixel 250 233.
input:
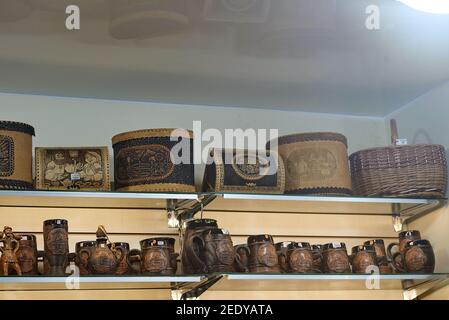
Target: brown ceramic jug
pixel 381 254
pixel 241 258
pixel 104 258
pixel 317 251
pixel 281 250
pixel 363 259
pixel 263 257
pixel 418 257
pixel 27 254
pixel 158 256
pixel 190 253
pixel 335 258
pixel 56 247
pixel 217 250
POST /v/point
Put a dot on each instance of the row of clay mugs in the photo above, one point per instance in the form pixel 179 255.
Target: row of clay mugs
pixel 157 256
pixel 412 254
pixel 261 255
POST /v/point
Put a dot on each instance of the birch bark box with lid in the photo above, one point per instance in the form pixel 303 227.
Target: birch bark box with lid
pixel 16 155
pixel 143 161
pixel 73 168
pixel 245 172
pixel 315 163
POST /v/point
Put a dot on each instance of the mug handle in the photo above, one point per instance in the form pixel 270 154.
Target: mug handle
pixel 134 255
pixel 390 248
pixel 238 261
pixel 192 254
pixel 396 265
pixel 283 256
pixel 71 256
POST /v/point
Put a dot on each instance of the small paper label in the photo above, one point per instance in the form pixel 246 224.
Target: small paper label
pixel 336 245
pixel 401 142
pixel 75 176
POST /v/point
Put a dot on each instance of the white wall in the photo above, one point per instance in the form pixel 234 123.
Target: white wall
pixel 87 122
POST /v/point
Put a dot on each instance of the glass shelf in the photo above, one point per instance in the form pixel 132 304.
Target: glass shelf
pixel 82 199
pixel 408 209
pixel 188 204
pixel 327 282
pixel 13 283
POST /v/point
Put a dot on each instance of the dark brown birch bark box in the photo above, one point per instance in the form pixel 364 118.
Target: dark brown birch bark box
pixel 16 155
pixel 315 163
pixel 246 172
pixel 143 161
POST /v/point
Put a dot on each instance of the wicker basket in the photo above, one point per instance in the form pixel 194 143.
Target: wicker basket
pixel 400 171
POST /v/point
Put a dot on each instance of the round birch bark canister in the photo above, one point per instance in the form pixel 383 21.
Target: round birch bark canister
pixel 316 163
pixel 16 155
pixel 143 161
pixel 133 19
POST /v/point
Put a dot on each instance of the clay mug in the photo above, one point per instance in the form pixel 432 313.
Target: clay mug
pixel 27 254
pixel 191 232
pixel 158 256
pixel 263 257
pixel 81 258
pixel 418 257
pixel 56 247
pixel 363 259
pixel 399 247
pixel 335 258
pixel 300 257
pixel 217 250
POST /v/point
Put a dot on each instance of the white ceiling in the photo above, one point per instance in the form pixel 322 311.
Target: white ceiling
pixel 307 55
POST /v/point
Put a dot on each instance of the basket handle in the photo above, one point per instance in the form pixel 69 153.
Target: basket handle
pixel 394 132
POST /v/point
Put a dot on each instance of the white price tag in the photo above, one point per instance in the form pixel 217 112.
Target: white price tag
pixel 401 142
pixel 336 245
pixel 75 176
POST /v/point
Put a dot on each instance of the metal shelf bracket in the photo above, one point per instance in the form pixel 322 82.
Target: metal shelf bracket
pixel 180 210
